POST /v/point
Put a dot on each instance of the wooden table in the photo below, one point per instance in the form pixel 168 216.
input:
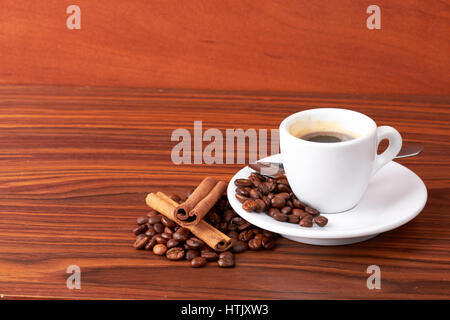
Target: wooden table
pixel 76 164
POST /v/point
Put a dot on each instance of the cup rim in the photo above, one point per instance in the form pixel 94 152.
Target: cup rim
pixel 284 127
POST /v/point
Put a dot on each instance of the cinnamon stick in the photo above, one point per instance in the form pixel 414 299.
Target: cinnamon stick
pixel 204 197
pixel 204 231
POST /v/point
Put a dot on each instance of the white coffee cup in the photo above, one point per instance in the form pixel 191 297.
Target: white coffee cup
pixel 332 177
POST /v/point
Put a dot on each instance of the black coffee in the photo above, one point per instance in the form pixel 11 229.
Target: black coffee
pixel 326 137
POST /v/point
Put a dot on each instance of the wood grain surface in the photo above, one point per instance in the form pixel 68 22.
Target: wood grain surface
pixel 76 164
pixel 290 45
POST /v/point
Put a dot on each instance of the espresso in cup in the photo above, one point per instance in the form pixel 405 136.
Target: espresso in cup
pixel 330 155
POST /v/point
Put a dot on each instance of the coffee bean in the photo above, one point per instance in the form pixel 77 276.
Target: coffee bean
pixel 191 254
pixel 237 221
pixel 246 225
pixel 249 205
pixel 246 235
pixel 150 232
pixel 312 211
pixel 141 229
pixel 273 211
pixel 159 227
pixel 160 239
pixel 321 221
pixel 280 217
pixel 228 215
pixel 233 235
pixel 241 198
pixel 210 255
pixel 168 230
pixel 239 246
pixel 198 262
pixel 289 204
pixel 159 249
pixel 293 218
pixel 182 234
pixel 268 243
pixel 284 195
pixel 298 204
pixel 140 243
pixel 142 220
pixel 286 210
pixel 260 205
pixel 150 244
pixel 232 227
pixel 242 191
pixel 242 183
pixel 299 213
pixel 176 253
pixel 257 176
pixel 282 181
pixel 255 194
pixel 271 195
pixel 154 219
pixel 172 243
pixel 194 243
pixel 167 222
pixel 306 221
pixel 259 236
pixel 278 202
pixel 255 244
pixel 264 188
pixel 226 260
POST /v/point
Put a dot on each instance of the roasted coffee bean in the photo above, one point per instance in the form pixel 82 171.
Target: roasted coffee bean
pixel 249 205
pixel 258 236
pixel 242 192
pixel 182 234
pixel 321 221
pixel 233 235
pixel 237 221
pixel 280 217
pixel 246 225
pixel 150 232
pixel 266 202
pixel 210 255
pixel 141 229
pixel 269 234
pixel 239 246
pixel 283 188
pixel 185 247
pixel 299 213
pixel 286 210
pixel 159 227
pixel 264 188
pixel 268 243
pixel 228 215
pixel 142 220
pixel 168 230
pixel 242 183
pixel 273 211
pixel 194 243
pixel 226 260
pixel 278 202
pixel 240 198
pixel 175 197
pixel 176 253
pixel 246 235
pixel 150 244
pixel 289 204
pixel 152 213
pixel 283 181
pixel 260 205
pixel 293 218
pixel 298 204
pixel 159 249
pixel 232 227
pixel 223 226
pixel 255 194
pixel 167 222
pixel 140 243
pixel 257 176
pixel 198 262
pixel 154 219
pixel 160 239
pixel 255 244
pixel 172 243
pixel 191 254
pixel 214 218
pixel 271 195
pixel 312 211
pixel 285 195
pixel 166 236
pixel 307 221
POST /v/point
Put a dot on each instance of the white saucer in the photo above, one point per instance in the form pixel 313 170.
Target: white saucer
pixel 395 196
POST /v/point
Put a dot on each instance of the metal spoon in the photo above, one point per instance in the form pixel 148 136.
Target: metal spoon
pixel 407 150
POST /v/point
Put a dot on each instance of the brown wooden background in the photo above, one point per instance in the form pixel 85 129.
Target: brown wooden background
pixel 290 45
pixel 86 118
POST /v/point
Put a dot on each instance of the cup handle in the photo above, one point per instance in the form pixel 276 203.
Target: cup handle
pixel 395 144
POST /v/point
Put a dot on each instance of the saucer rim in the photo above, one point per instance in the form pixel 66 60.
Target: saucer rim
pixel 319 233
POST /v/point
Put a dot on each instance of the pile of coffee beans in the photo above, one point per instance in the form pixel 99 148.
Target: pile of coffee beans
pixel 274 196
pixel 164 237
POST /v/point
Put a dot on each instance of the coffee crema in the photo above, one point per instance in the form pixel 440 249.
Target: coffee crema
pixel 326 137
